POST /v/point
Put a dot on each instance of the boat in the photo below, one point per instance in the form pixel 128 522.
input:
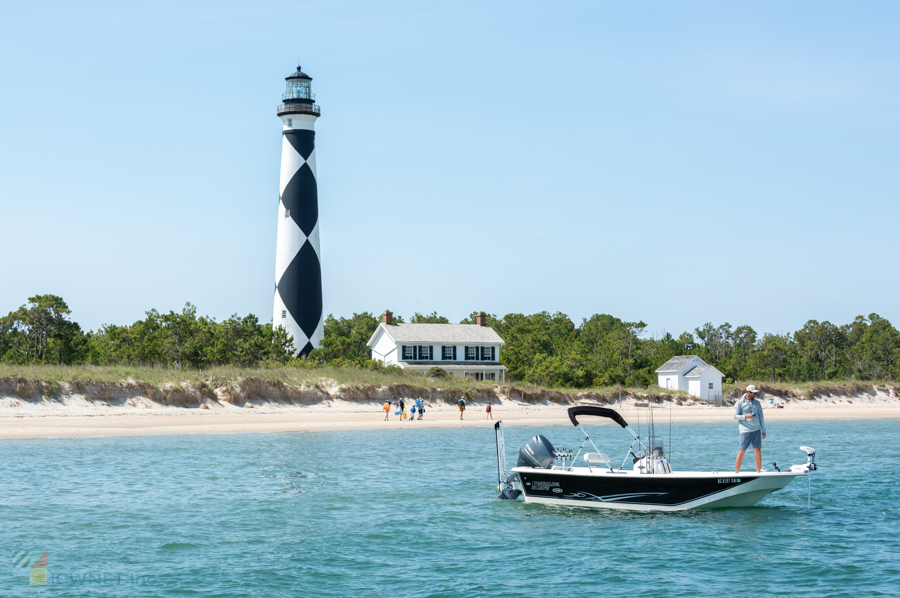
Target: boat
pixel 546 475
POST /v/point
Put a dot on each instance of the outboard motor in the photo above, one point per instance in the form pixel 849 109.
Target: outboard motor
pixel 538 453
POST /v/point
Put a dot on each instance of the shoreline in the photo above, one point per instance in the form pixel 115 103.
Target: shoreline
pixel 314 419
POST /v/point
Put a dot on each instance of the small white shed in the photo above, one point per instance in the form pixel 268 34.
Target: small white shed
pixel 691 374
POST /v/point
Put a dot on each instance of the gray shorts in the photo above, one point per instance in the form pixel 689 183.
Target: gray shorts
pixel 749 439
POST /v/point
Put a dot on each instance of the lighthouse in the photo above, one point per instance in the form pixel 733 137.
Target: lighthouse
pixel 298 270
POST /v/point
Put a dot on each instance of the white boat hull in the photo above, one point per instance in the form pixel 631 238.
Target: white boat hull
pixel 625 490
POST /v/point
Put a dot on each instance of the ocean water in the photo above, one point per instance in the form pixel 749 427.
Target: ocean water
pixel 413 512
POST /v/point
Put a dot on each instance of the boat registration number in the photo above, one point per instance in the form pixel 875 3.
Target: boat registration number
pixel 543 485
pixel 729 480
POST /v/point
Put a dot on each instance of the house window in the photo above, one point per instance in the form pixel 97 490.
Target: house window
pixel 471 353
pixel 487 354
pixel 710 385
pixel 475 376
pixel 490 376
pixel 284 314
pixel 290 122
pixel 417 352
pixel 448 353
pixel 287 213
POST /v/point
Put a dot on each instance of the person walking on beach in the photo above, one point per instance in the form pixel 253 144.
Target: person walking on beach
pixel 402 405
pixel 489 415
pixel 420 407
pixel 462 407
pixel 387 409
pixel 752 427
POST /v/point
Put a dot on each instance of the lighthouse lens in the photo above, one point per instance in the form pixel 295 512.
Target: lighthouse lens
pixel 298 90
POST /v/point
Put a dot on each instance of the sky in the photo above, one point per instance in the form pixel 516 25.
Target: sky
pixel 673 163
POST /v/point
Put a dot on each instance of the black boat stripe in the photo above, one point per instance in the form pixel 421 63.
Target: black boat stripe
pixel 670 504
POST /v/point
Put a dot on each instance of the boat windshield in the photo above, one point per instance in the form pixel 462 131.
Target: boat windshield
pixel 657 447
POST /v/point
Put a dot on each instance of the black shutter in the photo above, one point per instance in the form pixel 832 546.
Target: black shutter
pixel 493 358
pixel 454 352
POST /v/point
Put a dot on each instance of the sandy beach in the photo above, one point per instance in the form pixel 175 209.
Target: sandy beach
pixel 25 420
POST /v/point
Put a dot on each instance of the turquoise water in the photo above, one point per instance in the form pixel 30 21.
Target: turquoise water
pixel 413 513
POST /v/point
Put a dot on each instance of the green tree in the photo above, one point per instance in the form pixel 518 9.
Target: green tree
pixel 346 338
pixel 41 332
pixel 772 357
pixel 432 318
pixel 879 349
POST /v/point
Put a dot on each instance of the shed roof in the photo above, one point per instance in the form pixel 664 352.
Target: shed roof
pixel 697 371
pixel 676 363
pixel 439 333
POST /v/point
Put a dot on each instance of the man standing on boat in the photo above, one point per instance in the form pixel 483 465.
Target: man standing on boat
pixel 752 426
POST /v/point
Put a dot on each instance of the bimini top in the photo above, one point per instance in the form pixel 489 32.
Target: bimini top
pixel 598 411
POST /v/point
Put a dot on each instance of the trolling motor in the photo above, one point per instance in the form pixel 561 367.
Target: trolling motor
pixel 809 467
pixel 810 460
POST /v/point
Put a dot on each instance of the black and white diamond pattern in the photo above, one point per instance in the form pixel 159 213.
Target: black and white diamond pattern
pixel 298 272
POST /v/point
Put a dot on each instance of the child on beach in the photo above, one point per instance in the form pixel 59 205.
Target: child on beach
pixel 387 409
pixel 489 415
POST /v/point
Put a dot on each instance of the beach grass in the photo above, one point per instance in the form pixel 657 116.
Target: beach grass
pixel 353 377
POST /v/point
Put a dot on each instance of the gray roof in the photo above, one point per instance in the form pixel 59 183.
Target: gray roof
pixel 441 333
pixel 298 74
pixel 697 371
pixel 676 363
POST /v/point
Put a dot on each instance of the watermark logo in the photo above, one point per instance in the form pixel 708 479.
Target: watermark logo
pixel 35 562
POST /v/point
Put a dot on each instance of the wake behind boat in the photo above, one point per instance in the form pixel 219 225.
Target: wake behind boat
pixel 546 475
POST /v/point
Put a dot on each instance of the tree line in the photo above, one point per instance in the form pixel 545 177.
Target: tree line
pixel 549 349
pixel 41 332
pixel 546 349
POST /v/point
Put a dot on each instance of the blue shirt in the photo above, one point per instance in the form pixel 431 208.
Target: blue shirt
pixel 745 407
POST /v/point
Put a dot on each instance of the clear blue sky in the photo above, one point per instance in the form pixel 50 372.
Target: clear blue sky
pixel 672 162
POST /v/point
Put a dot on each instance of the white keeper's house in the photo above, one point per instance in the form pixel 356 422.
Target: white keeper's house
pixel 691 374
pixel 464 350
